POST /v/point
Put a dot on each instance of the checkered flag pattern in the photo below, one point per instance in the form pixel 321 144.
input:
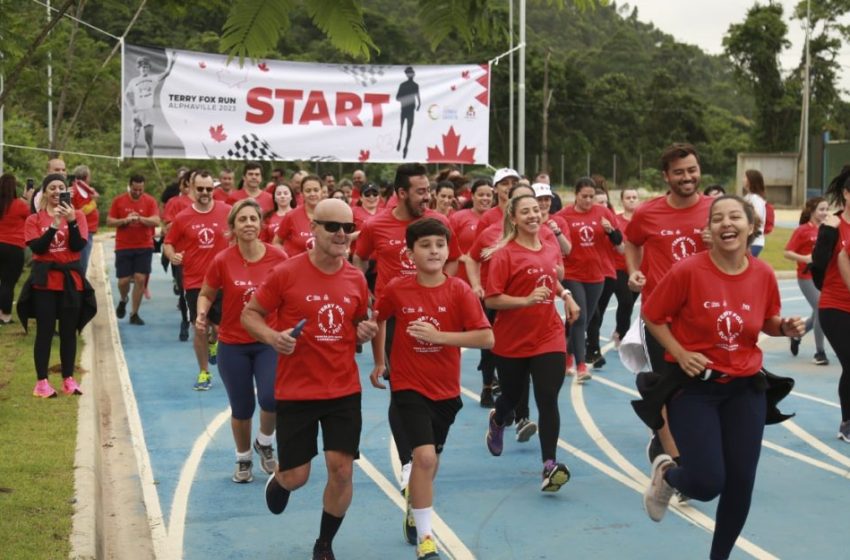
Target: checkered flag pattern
pixel 364 75
pixel 253 148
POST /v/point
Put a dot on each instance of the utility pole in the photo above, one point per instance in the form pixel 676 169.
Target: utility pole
pixel 804 156
pixel 49 89
pixel 521 101
pixel 511 87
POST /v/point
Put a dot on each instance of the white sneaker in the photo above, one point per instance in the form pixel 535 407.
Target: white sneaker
pixel 844 431
pixel 405 475
pixel 658 493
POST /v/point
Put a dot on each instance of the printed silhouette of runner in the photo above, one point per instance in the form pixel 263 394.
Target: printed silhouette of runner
pixel 408 96
pixel 140 96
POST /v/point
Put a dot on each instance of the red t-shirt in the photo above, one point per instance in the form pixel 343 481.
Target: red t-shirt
pixel 12 223
pixel 590 258
pixel 135 235
pixel 428 369
pixel 620 258
pixel 294 232
pixel 667 235
pixel 322 365
pixel 238 279
pixel 716 314
pixel 526 331
pixel 834 294
pixel 270 226
pixel 264 199
pixel 220 195
pixel 465 225
pixel 82 198
pixel 200 237
pixel 494 215
pixel 361 216
pixel 59 252
pixel 802 242
pixel 382 239
pixel 174 206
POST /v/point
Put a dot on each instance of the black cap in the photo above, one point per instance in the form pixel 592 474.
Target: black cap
pixel 369 187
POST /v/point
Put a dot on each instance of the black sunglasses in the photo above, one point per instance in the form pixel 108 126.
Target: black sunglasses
pixel 205 189
pixel 333 227
pixel 370 193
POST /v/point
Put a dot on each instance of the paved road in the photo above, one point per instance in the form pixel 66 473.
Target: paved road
pixel 488 507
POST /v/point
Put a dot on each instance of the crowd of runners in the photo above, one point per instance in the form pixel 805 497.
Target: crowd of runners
pixel 283 282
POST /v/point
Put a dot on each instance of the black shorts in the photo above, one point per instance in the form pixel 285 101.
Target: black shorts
pixel 426 422
pixel 298 429
pixel 132 261
pixel 214 313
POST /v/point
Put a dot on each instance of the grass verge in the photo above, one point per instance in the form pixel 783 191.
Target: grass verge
pixel 774 247
pixel 37 444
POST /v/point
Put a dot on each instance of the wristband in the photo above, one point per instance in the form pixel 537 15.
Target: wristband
pixel 557 232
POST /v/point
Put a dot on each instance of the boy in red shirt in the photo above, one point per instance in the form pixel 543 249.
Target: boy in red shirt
pixel 435 315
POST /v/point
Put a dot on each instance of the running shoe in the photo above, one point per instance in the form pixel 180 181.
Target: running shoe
pixel 658 493
pixel 525 430
pixel 213 352
pixel 582 374
pixel 600 363
pixel 592 357
pixel 487 400
pixel 555 475
pixel 70 387
pixel 405 475
pixel 243 472
pixel 204 381
pixel 136 320
pixel 571 369
pixel 184 331
pixel 276 496
pixel 409 524
pixel 844 431
pixel 267 461
pixel 820 359
pixel 121 310
pixel 427 549
pixel 654 447
pixel 795 345
pixel 495 435
pixel 322 551
pixel 43 390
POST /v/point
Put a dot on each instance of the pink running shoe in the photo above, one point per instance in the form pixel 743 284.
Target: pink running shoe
pixel 571 368
pixel 582 373
pixel 70 387
pixel 43 390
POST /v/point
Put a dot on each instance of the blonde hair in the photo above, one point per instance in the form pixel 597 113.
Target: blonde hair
pixel 239 206
pixel 509 230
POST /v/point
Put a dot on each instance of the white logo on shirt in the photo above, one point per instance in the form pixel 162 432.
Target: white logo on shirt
pixel 406 263
pixel 585 233
pixel 730 325
pixel 683 247
pixel 206 238
pixel 330 320
pixel 426 347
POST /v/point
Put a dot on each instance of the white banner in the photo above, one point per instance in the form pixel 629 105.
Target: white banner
pixel 182 104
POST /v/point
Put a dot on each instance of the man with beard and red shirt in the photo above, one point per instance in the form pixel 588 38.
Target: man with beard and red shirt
pixel 252 179
pixel 662 232
pixel 317 381
pixel 135 215
pixel 196 236
pixel 383 239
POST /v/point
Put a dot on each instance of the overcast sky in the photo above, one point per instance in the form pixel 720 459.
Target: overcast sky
pixel 705 22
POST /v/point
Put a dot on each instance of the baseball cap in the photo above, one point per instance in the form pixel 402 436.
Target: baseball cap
pixel 369 187
pixel 541 189
pixel 503 173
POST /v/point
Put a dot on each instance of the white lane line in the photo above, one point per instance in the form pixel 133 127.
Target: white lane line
pixel 691 514
pixel 815 399
pixel 816 443
pixel 180 501
pixel 447 540
pixel 150 495
pixel 843 473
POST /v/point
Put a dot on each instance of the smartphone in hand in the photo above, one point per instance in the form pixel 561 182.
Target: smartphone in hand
pixel 65 198
pixel 299 326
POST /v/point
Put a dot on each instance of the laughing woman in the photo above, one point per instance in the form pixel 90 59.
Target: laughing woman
pixel 707 317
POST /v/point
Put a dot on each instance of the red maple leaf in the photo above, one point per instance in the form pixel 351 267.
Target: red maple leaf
pixel 202 64
pixel 217 133
pixel 364 156
pixel 262 66
pixel 465 74
pixel 449 153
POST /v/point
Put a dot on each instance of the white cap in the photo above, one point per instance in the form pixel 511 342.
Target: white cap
pixel 504 173
pixel 541 189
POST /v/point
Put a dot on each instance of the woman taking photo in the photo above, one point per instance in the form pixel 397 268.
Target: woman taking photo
pixel 707 317
pixel 56 234
pixel 522 285
pixel 284 202
pixel 243 363
pixel 294 231
pixel 799 249
pixel 754 187
pixel 13 216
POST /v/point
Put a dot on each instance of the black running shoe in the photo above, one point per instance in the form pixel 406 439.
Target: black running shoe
pixel 121 310
pixel 135 319
pixel 795 345
pixel 276 496
pixel 487 400
pixel 322 551
pixel 184 331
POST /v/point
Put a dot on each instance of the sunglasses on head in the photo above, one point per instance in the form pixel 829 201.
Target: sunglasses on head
pixel 205 189
pixel 333 227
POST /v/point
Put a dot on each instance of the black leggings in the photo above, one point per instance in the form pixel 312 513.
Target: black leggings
pixel 48 307
pixel 836 324
pixel 625 303
pixel 177 274
pixel 547 372
pixel 487 364
pixel 11 265
pixel 718 428
pixel 595 323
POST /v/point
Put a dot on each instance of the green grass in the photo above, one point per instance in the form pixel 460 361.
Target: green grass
pixel 37 443
pixel 774 247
